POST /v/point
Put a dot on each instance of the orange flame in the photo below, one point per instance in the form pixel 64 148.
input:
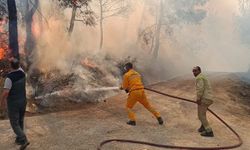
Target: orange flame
pixel 1 53
pixel 3 38
pixel 88 63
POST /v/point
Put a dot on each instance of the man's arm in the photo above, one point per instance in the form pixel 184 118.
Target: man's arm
pixel 125 83
pixel 199 89
pixel 6 90
pixel 3 99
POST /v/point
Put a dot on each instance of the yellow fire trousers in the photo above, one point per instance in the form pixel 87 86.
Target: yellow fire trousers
pixel 140 96
pixel 202 110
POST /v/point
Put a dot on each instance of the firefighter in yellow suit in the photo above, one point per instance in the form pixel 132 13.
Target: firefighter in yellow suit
pixel 133 85
pixel 204 100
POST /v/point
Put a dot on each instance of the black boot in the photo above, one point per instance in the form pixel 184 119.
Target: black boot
pixel 160 120
pixel 207 134
pixel 24 145
pixel 18 142
pixel 201 129
pixel 132 123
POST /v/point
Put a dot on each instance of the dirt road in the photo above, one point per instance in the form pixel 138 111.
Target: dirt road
pixel 85 128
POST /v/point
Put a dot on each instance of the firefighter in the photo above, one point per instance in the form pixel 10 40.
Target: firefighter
pixel 132 84
pixel 204 100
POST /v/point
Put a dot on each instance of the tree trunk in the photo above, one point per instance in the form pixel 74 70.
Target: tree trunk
pixel 13 32
pixel 30 39
pixel 158 31
pixel 101 25
pixel 141 23
pixel 72 20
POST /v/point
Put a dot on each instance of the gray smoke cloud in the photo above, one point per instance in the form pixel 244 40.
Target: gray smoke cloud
pixel 209 33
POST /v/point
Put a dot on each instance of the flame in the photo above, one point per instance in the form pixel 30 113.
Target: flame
pixel 88 63
pixel 2 53
pixel 3 38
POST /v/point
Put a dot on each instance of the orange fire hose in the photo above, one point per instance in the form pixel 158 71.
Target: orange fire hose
pixel 240 142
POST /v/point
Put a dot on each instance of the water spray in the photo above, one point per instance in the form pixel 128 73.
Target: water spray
pixel 87 90
pixel 102 89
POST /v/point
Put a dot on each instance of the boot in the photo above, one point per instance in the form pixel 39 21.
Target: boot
pixel 207 134
pixel 24 145
pixel 18 142
pixel 160 120
pixel 201 129
pixel 132 123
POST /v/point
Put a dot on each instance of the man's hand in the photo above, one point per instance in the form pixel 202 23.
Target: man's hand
pixel 3 101
pixel 3 105
pixel 3 110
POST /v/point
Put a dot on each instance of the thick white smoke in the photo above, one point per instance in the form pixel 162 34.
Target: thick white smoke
pixel 213 41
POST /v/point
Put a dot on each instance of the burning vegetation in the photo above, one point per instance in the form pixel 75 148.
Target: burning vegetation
pixel 3 46
pixel 86 81
pixel 3 38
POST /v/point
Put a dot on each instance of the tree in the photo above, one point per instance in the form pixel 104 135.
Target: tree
pixel 172 13
pixel 156 42
pixel 13 33
pixel 110 8
pixel 30 9
pixel 80 9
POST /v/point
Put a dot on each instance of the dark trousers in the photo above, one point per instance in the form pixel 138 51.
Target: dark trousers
pixel 16 112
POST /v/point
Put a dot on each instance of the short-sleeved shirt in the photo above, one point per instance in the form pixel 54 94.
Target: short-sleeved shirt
pixel 8 82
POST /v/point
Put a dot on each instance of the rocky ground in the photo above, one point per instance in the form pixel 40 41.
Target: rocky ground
pixel 85 128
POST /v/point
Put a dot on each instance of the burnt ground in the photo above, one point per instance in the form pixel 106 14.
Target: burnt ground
pixel 84 128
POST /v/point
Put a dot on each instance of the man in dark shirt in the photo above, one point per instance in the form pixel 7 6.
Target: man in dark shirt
pixel 14 99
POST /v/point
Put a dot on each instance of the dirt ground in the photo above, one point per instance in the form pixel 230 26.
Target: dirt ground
pixel 85 128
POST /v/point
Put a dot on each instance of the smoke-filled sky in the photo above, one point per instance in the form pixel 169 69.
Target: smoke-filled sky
pixel 209 33
pixel 216 40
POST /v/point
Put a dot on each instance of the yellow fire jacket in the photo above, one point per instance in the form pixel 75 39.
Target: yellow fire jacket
pixel 203 88
pixel 132 81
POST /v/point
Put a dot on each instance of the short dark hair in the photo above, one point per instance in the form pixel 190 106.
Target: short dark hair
pixel 14 63
pixel 198 68
pixel 129 65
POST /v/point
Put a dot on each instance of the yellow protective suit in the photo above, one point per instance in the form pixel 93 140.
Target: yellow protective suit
pixel 133 84
pixel 204 93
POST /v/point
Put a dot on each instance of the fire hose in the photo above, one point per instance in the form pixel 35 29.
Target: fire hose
pixel 240 142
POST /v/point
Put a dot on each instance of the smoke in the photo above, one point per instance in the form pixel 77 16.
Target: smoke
pixel 208 33
pixel 207 36
pixel 215 43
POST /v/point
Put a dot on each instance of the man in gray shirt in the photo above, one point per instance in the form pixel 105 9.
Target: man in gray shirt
pixel 14 97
